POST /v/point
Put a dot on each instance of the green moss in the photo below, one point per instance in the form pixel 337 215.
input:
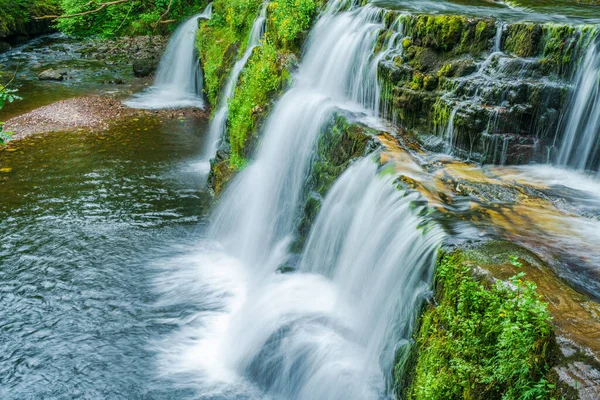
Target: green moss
pixel 417 81
pixel 430 82
pixel 561 44
pixel 483 340
pixel 523 40
pixel 221 38
pixel 451 34
pixel 260 81
pixel 340 143
pixel 288 20
pixel 218 46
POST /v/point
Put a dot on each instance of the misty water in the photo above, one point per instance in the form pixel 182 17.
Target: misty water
pixel 122 278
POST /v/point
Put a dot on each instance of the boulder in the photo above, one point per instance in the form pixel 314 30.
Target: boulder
pixel 52 75
pixel 144 67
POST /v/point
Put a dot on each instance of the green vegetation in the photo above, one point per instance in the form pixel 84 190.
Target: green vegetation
pixel 15 15
pixel 261 79
pixel 221 39
pixel 6 95
pixel 288 19
pixel 127 17
pixel 483 339
pixel 523 40
pixel 452 34
pixel 338 145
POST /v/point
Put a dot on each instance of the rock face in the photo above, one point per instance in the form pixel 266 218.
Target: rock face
pixel 489 93
pixel 52 75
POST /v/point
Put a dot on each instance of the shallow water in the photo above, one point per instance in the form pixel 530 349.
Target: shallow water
pixel 81 218
pixel 57 51
pixel 565 11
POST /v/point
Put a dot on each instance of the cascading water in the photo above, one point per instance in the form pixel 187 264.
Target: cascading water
pixel 330 330
pixel 218 123
pixel 272 185
pixel 580 146
pixel 179 77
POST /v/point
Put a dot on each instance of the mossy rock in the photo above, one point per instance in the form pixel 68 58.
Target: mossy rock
pixel 339 144
pixel 221 172
pixel 451 34
pixel 523 40
pixel 422 59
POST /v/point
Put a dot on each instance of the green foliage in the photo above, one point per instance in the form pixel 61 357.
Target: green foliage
pixel 260 80
pixel 131 17
pixel 15 14
pixel 288 19
pixel 221 38
pixel 482 340
pixel 560 46
pixel 6 95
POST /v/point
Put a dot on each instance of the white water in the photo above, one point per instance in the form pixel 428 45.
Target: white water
pixel 179 77
pixel 328 331
pixel 216 130
pixel 581 139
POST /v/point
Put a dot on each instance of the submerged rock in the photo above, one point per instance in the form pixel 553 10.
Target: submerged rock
pixel 52 75
pixel 144 67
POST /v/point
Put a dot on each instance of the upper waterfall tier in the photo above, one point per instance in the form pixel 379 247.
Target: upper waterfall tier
pixel 179 79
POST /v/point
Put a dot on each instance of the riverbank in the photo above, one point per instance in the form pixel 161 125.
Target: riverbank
pixel 91 113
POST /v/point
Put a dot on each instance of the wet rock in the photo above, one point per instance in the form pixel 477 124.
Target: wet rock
pixel 51 75
pixel 581 377
pixel 144 67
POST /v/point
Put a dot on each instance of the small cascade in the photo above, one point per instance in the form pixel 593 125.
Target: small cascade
pixel 390 48
pixel 179 79
pixel 261 226
pixel 580 147
pixel 498 38
pixel 217 127
pixel 324 339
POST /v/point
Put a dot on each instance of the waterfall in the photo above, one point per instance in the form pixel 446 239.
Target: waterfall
pixel 330 330
pixel 259 228
pixel 580 146
pixel 179 77
pixel 217 126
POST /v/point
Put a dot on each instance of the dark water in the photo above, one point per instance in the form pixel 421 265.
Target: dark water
pixel 82 217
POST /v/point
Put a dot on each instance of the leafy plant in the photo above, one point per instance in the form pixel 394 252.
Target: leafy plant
pixel 6 95
pixel 483 340
pixel 122 18
pixel 288 19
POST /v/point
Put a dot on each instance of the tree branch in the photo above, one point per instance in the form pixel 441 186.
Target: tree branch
pixel 164 14
pixel 100 8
